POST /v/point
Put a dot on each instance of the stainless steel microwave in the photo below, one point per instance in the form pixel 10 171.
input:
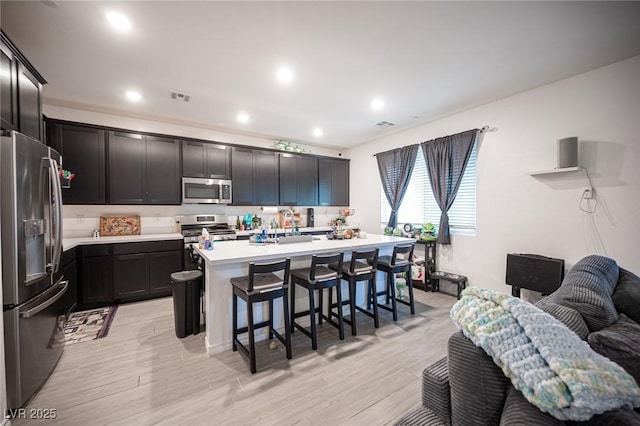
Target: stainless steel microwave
pixel 206 191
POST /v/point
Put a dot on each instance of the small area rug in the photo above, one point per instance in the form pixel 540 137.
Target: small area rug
pixel 88 325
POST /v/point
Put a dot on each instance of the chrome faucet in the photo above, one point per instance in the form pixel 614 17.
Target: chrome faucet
pixel 288 213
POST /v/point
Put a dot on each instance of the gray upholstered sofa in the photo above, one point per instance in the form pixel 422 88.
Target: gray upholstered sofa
pixel 598 300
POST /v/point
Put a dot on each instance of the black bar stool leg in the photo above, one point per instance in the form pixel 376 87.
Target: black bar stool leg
pixel 287 324
pixel 320 296
pixel 352 303
pixel 270 319
pixel 235 322
pixel 412 303
pixel 312 318
pixel 293 305
pixel 252 343
pixel 340 319
pixel 376 321
pixel 392 290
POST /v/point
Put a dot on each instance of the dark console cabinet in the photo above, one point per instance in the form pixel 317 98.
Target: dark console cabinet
pixel 206 160
pixel 83 152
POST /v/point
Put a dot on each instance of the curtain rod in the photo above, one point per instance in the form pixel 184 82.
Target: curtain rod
pixel 483 129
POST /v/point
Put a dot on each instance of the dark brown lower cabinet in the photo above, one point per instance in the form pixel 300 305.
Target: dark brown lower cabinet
pixel 161 266
pixel 95 281
pixel 128 272
pixel 130 275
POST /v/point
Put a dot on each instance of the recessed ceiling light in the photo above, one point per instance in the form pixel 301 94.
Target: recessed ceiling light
pixel 377 104
pixel 284 75
pixel 133 96
pixel 317 132
pixel 243 117
pixel 119 21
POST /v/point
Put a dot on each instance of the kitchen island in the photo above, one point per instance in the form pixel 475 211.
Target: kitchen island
pixel 231 259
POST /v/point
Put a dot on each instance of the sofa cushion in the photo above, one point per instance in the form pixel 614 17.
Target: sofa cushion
pixel 478 386
pixel 519 412
pixel 587 288
pixel 436 393
pixel 420 416
pixel 619 417
pixel 566 315
pixel 620 342
pixel 626 297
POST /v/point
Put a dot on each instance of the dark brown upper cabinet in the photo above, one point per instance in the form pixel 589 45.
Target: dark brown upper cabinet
pixel 255 177
pixel 206 160
pixel 20 92
pixel 298 180
pixel 333 182
pixel 83 151
pixel 143 169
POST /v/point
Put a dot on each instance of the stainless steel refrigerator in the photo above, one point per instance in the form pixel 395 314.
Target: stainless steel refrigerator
pixel 31 230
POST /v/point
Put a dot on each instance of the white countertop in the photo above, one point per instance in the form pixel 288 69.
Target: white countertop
pixel 69 243
pixel 241 251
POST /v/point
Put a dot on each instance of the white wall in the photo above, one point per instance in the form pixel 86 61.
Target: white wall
pixel 520 213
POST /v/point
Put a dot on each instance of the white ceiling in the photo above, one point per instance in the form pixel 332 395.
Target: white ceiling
pixel 426 59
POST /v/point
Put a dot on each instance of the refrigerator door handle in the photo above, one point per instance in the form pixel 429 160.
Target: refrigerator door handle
pixel 56 207
pixel 44 305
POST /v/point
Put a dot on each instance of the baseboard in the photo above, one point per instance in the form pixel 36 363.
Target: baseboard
pixel 226 346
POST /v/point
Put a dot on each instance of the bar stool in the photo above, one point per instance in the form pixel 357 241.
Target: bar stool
pixel 399 261
pixel 362 267
pixel 317 277
pixel 261 285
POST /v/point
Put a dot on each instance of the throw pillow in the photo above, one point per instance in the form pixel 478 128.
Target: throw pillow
pixel 587 288
pixel 626 298
pixel 620 343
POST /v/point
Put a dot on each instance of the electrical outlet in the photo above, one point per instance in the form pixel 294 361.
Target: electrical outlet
pixel 587 194
pixel 79 218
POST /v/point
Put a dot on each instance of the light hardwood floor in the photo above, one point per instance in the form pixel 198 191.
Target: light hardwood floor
pixel 142 374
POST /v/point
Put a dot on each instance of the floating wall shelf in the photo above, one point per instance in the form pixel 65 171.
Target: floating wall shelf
pixel 556 171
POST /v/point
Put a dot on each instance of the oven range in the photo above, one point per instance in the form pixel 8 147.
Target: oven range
pixel 191 229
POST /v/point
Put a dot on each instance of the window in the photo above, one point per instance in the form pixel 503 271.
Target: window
pixel 419 206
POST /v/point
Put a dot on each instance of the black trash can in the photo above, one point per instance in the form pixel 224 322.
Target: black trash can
pixel 186 287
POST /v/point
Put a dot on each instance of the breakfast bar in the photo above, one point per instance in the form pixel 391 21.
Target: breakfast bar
pixel 231 259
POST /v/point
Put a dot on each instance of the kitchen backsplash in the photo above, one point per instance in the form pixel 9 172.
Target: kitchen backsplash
pixel 81 221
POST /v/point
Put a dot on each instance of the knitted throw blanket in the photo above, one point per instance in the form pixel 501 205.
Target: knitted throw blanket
pixel 555 370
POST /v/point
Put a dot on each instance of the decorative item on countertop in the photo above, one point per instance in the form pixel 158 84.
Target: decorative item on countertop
pixel 65 178
pixel 207 243
pixel 119 225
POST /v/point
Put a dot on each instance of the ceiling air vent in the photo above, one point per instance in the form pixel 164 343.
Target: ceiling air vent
pixel 180 96
pixel 384 124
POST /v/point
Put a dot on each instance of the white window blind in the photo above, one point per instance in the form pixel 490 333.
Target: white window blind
pixel 419 206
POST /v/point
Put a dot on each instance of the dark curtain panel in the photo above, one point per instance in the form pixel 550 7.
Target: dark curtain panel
pixel 447 159
pixel 395 169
